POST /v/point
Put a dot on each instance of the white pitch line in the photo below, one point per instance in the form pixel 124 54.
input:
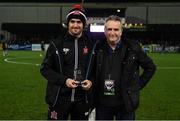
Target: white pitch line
pixel 9 60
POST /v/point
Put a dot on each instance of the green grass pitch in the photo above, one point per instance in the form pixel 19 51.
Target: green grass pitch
pixel 22 88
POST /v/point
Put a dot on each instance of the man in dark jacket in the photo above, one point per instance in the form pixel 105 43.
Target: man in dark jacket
pixel 118 80
pixel 67 67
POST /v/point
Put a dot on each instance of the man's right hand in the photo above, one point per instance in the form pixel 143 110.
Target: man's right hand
pixel 71 83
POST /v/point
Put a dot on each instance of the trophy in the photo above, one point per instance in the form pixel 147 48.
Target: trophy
pixel 78 77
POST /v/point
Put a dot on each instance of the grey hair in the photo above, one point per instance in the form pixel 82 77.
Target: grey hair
pixel 114 18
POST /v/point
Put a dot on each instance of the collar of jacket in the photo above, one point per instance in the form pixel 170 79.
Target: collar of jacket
pixel 118 46
pixel 108 48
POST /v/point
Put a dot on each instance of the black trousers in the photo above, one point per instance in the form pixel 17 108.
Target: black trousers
pixel 78 110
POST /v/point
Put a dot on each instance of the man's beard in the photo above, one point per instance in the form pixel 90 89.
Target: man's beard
pixel 74 33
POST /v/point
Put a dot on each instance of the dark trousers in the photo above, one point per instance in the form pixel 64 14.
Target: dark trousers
pixel 74 110
pixel 111 113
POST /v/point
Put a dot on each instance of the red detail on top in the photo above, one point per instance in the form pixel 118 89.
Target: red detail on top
pixel 85 50
pixel 77 6
pixel 53 115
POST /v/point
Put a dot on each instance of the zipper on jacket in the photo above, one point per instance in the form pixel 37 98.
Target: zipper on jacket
pixel 90 61
pixel 92 53
pixel 60 68
pixel 57 95
pixel 75 66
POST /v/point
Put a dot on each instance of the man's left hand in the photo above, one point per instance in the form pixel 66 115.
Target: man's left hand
pixel 86 84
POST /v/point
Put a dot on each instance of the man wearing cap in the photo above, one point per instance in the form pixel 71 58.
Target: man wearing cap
pixel 66 66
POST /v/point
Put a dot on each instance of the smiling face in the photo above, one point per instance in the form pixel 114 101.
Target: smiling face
pixel 75 27
pixel 113 32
